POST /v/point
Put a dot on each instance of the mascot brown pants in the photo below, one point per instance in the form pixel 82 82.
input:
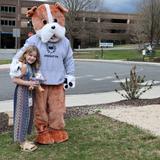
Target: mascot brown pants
pixel 49 114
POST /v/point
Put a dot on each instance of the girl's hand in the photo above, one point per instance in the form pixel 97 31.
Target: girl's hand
pixel 31 88
pixel 32 84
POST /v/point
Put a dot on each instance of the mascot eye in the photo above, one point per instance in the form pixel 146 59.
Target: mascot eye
pixel 55 20
pixel 44 22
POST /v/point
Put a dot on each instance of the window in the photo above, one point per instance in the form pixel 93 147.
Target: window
pixel 117 31
pixel 119 20
pixel 8 9
pixel 2 22
pixel 10 23
pixel 13 23
pixel 12 9
pixel 2 8
pixel 6 22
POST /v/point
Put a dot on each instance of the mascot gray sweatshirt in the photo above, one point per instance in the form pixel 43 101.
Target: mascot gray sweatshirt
pixel 56 59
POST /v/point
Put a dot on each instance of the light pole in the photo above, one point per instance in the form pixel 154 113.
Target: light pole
pixel 0 36
pixel 18 22
pixel 29 25
pixel 0 33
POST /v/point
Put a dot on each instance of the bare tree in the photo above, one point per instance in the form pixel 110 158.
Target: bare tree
pixel 73 20
pixel 137 34
pixel 148 26
pixel 81 5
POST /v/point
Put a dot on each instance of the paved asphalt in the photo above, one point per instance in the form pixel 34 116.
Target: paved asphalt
pixel 91 77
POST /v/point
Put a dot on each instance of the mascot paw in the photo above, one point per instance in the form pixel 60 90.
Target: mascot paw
pixel 69 82
pixel 44 138
pixel 59 135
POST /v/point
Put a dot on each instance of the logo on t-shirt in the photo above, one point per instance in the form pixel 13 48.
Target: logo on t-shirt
pixel 51 49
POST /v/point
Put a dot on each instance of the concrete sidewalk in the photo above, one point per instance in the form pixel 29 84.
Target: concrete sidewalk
pixel 89 99
pixel 144 117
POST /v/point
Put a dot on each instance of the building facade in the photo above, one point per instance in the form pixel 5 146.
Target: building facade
pixel 94 27
pixel 88 30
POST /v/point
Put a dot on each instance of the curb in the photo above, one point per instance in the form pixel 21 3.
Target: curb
pixel 4 66
pixel 119 61
pixel 7 66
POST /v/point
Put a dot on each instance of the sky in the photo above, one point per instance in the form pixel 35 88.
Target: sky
pixel 123 6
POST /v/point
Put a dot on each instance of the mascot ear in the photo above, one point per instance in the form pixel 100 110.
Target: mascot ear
pixel 61 7
pixel 31 11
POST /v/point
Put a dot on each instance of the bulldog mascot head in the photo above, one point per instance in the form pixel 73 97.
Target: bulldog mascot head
pixel 48 21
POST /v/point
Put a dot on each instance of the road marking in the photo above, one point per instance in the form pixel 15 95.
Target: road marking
pixel 103 78
pixel 121 80
pixel 84 76
pixel 149 82
pixel 112 77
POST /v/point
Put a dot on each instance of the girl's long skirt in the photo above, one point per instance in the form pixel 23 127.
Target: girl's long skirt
pixel 23 114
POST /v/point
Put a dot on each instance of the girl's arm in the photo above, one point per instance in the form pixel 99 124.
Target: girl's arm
pixel 20 81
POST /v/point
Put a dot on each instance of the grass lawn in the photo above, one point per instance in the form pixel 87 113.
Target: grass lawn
pixel 157 53
pixel 5 61
pixel 111 54
pixel 133 55
pixel 92 137
pixel 122 54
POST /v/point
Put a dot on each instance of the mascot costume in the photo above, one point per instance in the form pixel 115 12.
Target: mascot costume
pixel 57 67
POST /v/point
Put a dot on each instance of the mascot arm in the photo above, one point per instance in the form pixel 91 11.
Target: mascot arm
pixel 69 81
pixel 69 62
pixel 15 67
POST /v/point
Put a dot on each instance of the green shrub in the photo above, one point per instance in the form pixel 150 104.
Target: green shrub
pixel 132 86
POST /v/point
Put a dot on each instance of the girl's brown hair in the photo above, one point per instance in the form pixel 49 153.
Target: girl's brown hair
pixel 28 50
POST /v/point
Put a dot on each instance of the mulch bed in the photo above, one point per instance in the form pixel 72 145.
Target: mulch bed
pixel 79 111
pixel 137 102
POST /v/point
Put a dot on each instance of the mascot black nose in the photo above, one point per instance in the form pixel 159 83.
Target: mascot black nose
pixel 53 27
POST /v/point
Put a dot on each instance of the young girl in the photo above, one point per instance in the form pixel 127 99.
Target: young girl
pixel 23 114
